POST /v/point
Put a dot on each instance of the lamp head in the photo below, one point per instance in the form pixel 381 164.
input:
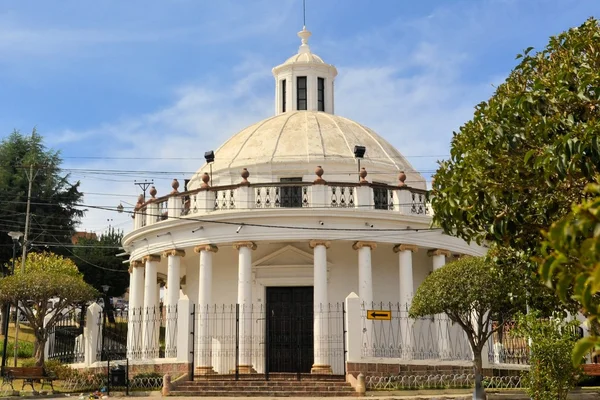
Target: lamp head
pixel 15 235
pixel 359 151
pixel 209 156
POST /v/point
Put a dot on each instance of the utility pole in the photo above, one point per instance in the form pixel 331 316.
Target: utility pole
pixel 24 256
pixel 144 186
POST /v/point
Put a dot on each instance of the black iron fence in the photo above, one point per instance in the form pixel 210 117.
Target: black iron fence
pixel 392 334
pixel 267 339
pixel 66 337
pixel 151 332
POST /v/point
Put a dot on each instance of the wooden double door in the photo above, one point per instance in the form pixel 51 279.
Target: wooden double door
pixel 289 329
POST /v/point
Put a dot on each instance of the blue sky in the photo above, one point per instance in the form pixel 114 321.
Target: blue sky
pixel 155 83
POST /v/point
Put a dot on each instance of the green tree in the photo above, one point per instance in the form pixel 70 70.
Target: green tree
pixel 551 374
pixel 97 259
pixel 572 263
pixel 529 150
pixel 46 276
pixel 472 291
pixel 54 214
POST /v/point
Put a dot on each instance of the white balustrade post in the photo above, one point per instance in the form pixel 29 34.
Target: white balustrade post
pixel 175 202
pixel 203 311
pixel 353 328
pixel 365 284
pixel 171 299
pixel 364 193
pixel 92 333
pixel 174 206
pixel 244 194
pixel 151 213
pixel 151 312
pixel 403 200
pixel 184 336
pixel 438 257
pixel 135 314
pixel 321 303
pixel 138 217
pixel 364 198
pixel 319 192
pixel 245 304
pixel 406 283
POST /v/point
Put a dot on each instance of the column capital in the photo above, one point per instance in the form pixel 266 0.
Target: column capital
pixel 318 242
pixel 135 264
pixel 406 247
pixel 151 258
pixel 174 252
pixel 206 247
pixel 438 252
pixel 361 244
pixel 250 245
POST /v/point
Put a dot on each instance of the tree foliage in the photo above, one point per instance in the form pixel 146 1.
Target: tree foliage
pixel 53 212
pixel 529 150
pixel 472 291
pixel 572 262
pixel 46 276
pixel 97 259
pixel 551 374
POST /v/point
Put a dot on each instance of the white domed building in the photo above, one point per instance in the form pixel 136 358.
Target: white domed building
pixel 279 247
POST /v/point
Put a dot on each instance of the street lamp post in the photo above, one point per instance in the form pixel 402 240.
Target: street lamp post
pixel 15 236
pixel 105 289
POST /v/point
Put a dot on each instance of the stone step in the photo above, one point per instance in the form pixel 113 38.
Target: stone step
pixel 266 393
pixel 258 388
pixel 278 376
pixel 264 383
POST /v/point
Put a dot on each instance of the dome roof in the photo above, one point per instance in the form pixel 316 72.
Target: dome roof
pixel 307 57
pixel 301 140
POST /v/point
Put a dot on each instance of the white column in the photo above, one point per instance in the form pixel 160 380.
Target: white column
pixel 171 299
pixel 365 275
pixel 405 265
pixel 204 341
pixel 245 304
pixel 151 312
pixel 321 303
pixel 135 314
pixel 365 286
pixel 438 258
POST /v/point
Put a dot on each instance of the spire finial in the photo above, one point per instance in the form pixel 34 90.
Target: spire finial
pixel 304 35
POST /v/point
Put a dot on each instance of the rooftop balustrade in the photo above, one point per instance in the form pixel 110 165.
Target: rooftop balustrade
pixel 319 194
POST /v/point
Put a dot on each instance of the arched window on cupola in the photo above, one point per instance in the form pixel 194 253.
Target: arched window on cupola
pixel 301 100
pixel 320 94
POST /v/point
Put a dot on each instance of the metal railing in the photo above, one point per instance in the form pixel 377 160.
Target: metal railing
pixel 434 337
pixel 66 337
pixel 275 338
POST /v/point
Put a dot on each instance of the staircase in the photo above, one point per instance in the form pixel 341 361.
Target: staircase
pixel 255 385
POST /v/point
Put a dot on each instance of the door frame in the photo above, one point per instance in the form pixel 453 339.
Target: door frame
pixel 266 322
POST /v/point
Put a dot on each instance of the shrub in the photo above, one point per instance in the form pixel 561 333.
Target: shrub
pixel 30 362
pixel 148 375
pixel 62 371
pixel 25 349
pixel 551 374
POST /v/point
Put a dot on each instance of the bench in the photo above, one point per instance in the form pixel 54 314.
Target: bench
pixel 591 369
pixel 28 375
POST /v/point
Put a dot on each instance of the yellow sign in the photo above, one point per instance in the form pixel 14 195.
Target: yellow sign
pixel 381 315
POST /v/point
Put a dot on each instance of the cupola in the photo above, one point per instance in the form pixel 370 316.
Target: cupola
pixel 304 81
